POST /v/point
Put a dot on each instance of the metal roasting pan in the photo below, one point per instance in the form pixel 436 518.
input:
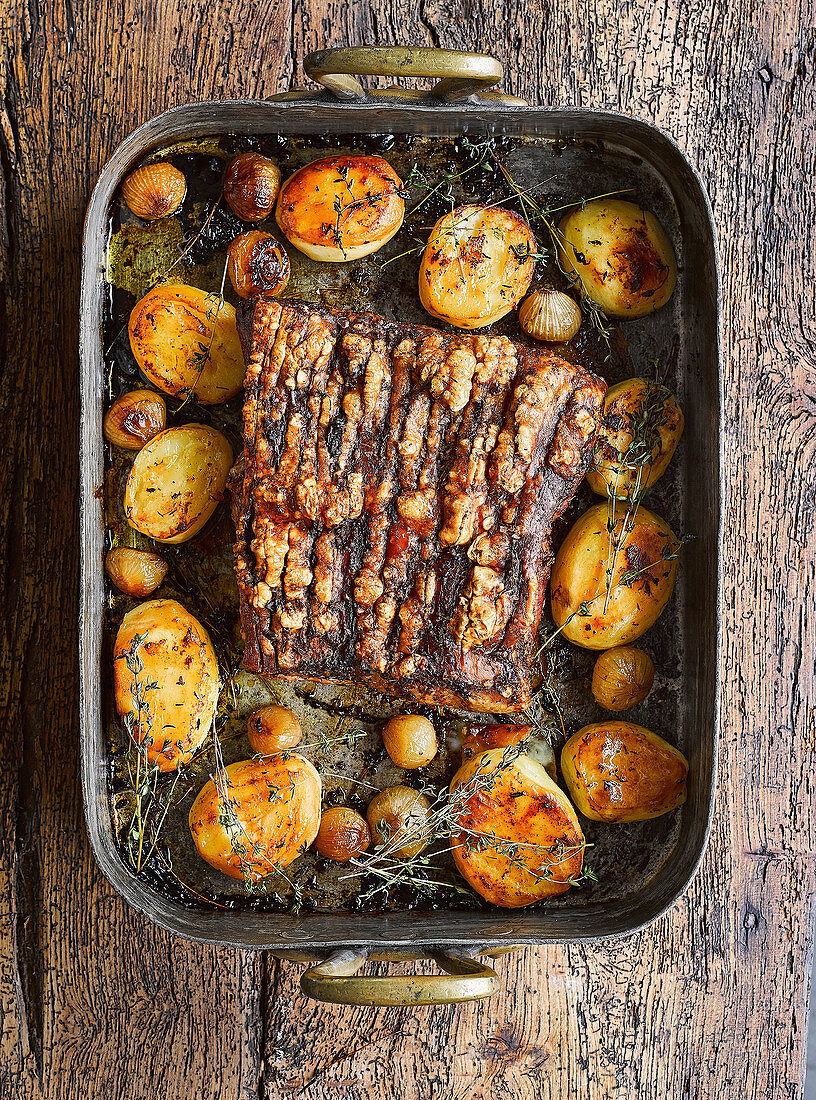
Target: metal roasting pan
pixel 339 943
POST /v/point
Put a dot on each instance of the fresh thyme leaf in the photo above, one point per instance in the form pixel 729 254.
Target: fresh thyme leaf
pixel 200 358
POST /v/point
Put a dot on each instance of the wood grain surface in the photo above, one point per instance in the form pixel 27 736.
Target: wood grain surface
pixel 710 1001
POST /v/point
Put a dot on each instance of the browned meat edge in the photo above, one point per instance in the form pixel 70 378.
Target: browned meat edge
pixel 395 499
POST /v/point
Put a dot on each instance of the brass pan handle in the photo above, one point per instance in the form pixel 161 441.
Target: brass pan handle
pixel 461 74
pixel 336 980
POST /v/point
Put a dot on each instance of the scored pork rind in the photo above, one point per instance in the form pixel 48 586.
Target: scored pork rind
pixel 395 499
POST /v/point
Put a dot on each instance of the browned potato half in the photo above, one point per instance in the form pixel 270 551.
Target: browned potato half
pixel 642 577
pixel 643 422
pixel 616 771
pixel 257 816
pixel 165 681
pixel 184 341
pixel 176 482
pixel 478 738
pixel 621 256
pixel 341 208
pixel 477 265
pixel 516 839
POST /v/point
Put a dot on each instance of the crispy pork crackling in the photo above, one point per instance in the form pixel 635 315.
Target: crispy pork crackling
pixel 394 502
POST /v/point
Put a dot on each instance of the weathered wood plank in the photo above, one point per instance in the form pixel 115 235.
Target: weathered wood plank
pixel 708 1002
pixel 711 1001
pixel 95 1001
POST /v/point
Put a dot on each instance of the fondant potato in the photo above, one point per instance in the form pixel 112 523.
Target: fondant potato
pixel 165 675
pixel 258 817
pixel 341 208
pixel 617 771
pixel 185 340
pixel 516 838
pixel 620 255
pixel 641 583
pixel 176 482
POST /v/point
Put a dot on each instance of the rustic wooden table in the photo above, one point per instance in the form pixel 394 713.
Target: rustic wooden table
pixel 710 1001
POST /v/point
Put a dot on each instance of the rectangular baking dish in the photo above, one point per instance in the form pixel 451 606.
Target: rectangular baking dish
pixel 414 934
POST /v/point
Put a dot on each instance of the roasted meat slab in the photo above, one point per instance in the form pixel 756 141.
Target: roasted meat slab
pixel 395 498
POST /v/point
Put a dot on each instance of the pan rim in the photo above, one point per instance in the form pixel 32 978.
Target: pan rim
pixel 187 922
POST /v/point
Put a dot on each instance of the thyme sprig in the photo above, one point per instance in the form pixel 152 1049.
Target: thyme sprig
pixel 196 237
pixel 667 554
pixel 200 358
pixel 481 152
pixel 536 212
pixel 644 447
pixel 625 497
pixel 322 742
pixel 151 798
pixel 252 855
pixel 440 832
pixel 344 209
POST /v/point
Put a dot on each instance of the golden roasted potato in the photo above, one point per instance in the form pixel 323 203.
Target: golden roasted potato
pixel 257 816
pixel 184 342
pixel 516 838
pixel 616 771
pixel 176 482
pixel 643 422
pixel 641 581
pixel 477 265
pixel 341 208
pixel 165 681
pixel 621 256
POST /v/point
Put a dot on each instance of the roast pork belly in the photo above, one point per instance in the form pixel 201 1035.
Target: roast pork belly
pixel 395 498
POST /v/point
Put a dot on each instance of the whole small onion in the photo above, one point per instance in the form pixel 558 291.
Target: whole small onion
pixel 135 572
pixel 251 186
pixel 398 820
pixel 622 677
pixel 273 729
pixel 343 834
pixel 410 741
pixel 134 419
pixel 257 264
pixel 154 191
pixel 550 315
